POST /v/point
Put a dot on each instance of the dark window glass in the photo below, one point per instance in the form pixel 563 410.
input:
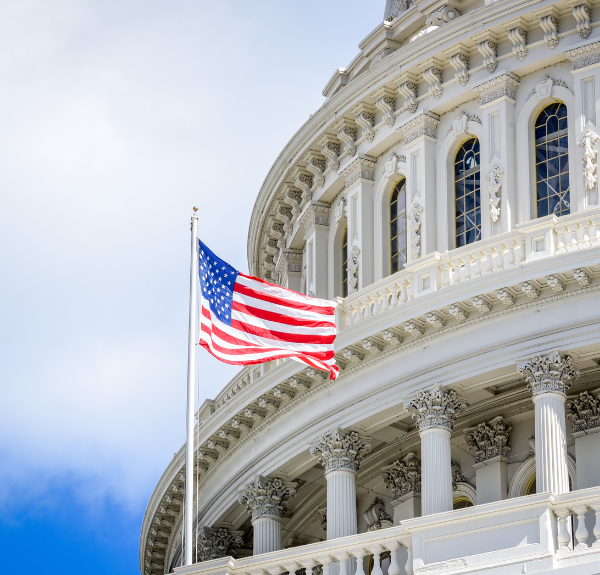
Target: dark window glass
pixel 467 216
pixel 552 161
pixel 398 226
pixel 345 263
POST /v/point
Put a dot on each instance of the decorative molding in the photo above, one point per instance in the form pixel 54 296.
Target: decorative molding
pixel 365 118
pixel 590 154
pixel 363 167
pixel 425 124
pixel 408 89
pixel 413 328
pixel 304 181
pixel 346 131
pixel 293 198
pixel 352 356
pixel 403 476
pixel 494 178
pixel 380 57
pixel 436 408
pixel 548 373
pixel 315 214
pixel 263 496
pixel 340 450
pixel 353 265
pixel 399 6
pixel 459 126
pixel 371 346
pixel 414 226
pixel 503 85
pixel 583 411
pixel 517 34
pixel 584 56
pixel 385 101
pixel 432 74
pixel 549 24
pixel 442 16
pixel 214 544
pixel 489 440
pixel 377 517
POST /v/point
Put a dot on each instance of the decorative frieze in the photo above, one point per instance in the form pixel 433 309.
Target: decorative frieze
pixel 365 118
pixel 590 154
pixel 502 86
pixel 487 45
pixel 517 34
pixel 581 13
pixel 289 261
pixel 385 100
pixel 432 74
pixel 391 338
pixel 458 312
pixel 413 328
pixel 340 450
pixel 548 373
pixel 584 56
pixel 263 496
pixel 299 383
pixel 582 278
pixel 315 214
pixel 436 408
pixel 494 177
pixel 505 297
pixel 442 16
pixel 371 346
pixel 403 476
pixel 352 356
pixel 489 440
pixel 549 24
pixel 363 167
pixel 555 283
pixel 376 516
pixel 481 305
pixel 407 88
pixel 214 544
pixel 530 290
pixel 436 320
pixel 583 411
pixel 425 124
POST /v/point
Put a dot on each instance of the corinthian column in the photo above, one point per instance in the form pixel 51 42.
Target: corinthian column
pixel 435 411
pixel 548 379
pixel 266 500
pixel 339 453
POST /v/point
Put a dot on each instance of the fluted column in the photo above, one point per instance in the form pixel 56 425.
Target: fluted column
pixel 435 411
pixel 339 453
pixel 266 500
pixel 548 379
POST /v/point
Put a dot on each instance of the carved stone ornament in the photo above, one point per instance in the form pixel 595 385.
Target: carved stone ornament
pixel 398 6
pixel 340 450
pixel 414 225
pixel 363 167
pixel 407 88
pixel 590 155
pixel 316 165
pixel 376 516
pixel 489 440
pixel 380 57
pixel 263 496
pixel 504 85
pixel 315 214
pixel 584 56
pixel 518 37
pixel 365 118
pixel 385 100
pixel 494 176
pixel 549 24
pixel 341 209
pixel 549 373
pixel 436 408
pixel 442 16
pixel 403 476
pixel 214 544
pixel 581 13
pixel 389 167
pixel 488 49
pixel 290 261
pixel 460 63
pixel 433 76
pixel 425 124
pixel 457 476
pixel 353 268
pixel 583 411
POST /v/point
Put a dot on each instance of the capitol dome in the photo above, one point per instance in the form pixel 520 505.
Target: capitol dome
pixel 446 196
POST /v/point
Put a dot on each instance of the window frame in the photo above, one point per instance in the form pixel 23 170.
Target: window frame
pixel 402 183
pixel 476 191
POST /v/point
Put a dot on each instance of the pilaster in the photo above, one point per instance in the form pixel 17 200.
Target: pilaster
pixel 403 478
pixel 548 379
pixel 216 543
pixel 289 269
pixel 315 221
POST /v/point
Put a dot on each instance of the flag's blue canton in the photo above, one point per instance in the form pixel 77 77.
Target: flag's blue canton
pixel 217 280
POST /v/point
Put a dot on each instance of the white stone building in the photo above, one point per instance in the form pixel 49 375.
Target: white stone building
pixel 446 193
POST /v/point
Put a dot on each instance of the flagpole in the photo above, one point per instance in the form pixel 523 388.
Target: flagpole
pixel 191 376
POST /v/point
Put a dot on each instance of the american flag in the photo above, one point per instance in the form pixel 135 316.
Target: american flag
pixel 246 320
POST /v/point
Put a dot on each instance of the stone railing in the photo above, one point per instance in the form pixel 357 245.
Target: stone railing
pixel 530 242
pixel 500 534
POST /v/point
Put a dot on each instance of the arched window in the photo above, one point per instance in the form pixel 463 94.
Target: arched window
pixel 552 161
pixel 530 488
pixel 467 201
pixel 345 262
pixel 462 502
pixel 398 226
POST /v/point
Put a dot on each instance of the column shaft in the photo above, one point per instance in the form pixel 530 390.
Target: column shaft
pixel 267 534
pixel 550 443
pixel 341 503
pixel 436 470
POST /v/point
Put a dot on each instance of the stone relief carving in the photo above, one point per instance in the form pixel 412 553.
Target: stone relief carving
pixel 548 373
pixel 555 283
pixel 518 37
pixel 389 167
pixel 403 476
pixel 365 118
pixel 489 440
pixel 460 63
pixel 582 278
pixel 504 85
pixel 386 102
pixel 505 297
pixel 340 450
pixel 363 167
pixel 263 496
pixel 482 305
pixel 331 150
pixel 442 16
pixel 408 90
pixel 433 76
pixel 488 50
pixel 436 408
pixel 413 328
pixel 399 6
pixel 425 124
pixel 494 176
pixel 581 14
pixel 549 25
pixel 584 56
pixel 530 290
pixel 214 544
pixel 353 268
pixel 457 476
pixel 590 155
pixel 414 225
pixel 376 516
pixel 583 411
pixel 315 164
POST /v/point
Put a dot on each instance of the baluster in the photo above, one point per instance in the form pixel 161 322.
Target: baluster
pixel 561 246
pixel 343 557
pixel 517 251
pixel 409 559
pixel 476 265
pixel 308 565
pixel 467 267
pixel 394 568
pixel 446 274
pixel 585 234
pixel 596 508
pixel 326 562
pixel 358 316
pixel 393 294
pixel 360 558
pixel 595 231
pixel 367 307
pixel 455 270
pixel 349 315
pixel 377 303
pixel 581 533
pixel 563 533
pixel 376 550
pixel 573 243
pixel 403 292
pixel 499 259
pixel 510 256
pixel 487 261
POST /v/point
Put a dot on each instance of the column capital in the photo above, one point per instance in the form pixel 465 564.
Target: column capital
pixel 266 497
pixel 340 450
pixel 551 373
pixel 403 476
pixel 436 408
pixel 361 168
pixel 583 411
pixel 489 440
pixel 216 543
pixel 503 85
pixel 584 56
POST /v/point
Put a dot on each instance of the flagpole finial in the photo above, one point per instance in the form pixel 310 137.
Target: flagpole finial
pixel 195 208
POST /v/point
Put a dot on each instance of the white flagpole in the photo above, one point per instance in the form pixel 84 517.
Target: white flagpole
pixel 191 376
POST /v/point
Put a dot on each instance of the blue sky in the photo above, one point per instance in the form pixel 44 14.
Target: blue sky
pixel 115 119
